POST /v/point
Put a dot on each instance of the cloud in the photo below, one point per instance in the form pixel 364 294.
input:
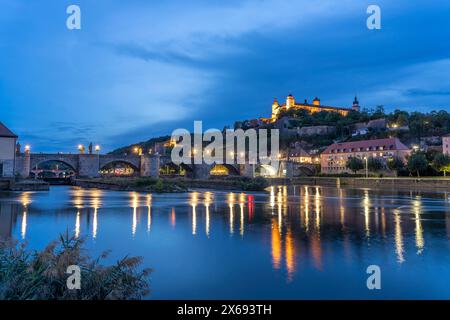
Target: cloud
pixel 421 92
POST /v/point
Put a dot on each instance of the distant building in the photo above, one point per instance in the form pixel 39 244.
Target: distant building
pixel 446 144
pixel 362 128
pixel 316 106
pixel 297 154
pixel 289 129
pixel 334 158
pixel 7 151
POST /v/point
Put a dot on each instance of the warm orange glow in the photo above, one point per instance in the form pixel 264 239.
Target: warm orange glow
pixel 173 219
pixel 316 250
pixel 290 254
pixel 276 245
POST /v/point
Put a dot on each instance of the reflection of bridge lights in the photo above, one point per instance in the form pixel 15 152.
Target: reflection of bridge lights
pixel 317 204
pixel 251 207
pixel 231 203
pixel 290 255
pixel 23 229
pixel 241 229
pixel 306 205
pixel 173 218
pixel 420 242
pixel 208 197
pixel 94 224
pixel 276 245
pixel 95 194
pixel 366 204
pixel 25 198
pixel 78 198
pixel 77 225
pixel 194 203
pixel 134 205
pixel 25 201
pixel 149 212
pixel 398 237
pixel 207 227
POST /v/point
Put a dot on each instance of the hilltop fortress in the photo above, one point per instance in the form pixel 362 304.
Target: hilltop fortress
pixel 316 106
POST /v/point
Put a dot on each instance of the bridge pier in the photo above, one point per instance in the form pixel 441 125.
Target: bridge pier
pixel 201 171
pixel 23 165
pixel 88 165
pixel 150 166
pixel 248 170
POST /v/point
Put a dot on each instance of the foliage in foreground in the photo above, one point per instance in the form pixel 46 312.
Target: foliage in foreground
pixel 31 275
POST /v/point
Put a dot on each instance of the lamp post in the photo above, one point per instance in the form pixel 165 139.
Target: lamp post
pixel 81 148
pixel 97 148
pixel 367 166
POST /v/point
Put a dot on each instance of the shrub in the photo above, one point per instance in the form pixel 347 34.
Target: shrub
pixel 30 275
pixel 354 164
pixel 255 184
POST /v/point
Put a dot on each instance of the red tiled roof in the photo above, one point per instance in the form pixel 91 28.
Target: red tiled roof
pixel 5 132
pixel 387 144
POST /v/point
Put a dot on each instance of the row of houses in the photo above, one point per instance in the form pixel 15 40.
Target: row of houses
pixel 334 158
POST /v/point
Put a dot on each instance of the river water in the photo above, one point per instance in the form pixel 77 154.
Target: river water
pixel 296 242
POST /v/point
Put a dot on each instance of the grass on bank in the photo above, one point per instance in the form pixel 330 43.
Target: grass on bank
pixel 41 275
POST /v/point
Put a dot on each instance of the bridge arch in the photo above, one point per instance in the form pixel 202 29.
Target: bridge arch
pixel 54 171
pixel 224 170
pixel 266 170
pixel 119 167
pixel 302 170
pixel 37 160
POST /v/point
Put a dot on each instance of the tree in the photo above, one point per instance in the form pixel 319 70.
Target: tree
pixel 395 164
pixel 441 163
pixel 374 164
pixel 354 164
pixel 417 162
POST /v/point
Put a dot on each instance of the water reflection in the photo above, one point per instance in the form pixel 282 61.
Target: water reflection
pixel 25 200
pixel 307 224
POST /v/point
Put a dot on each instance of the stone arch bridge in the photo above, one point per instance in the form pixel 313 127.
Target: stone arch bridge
pixel 286 169
pixel 88 165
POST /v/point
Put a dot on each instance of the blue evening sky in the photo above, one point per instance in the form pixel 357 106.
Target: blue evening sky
pixel 139 69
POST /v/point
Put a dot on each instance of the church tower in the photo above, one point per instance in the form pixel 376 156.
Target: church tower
pixel 290 102
pixel 275 109
pixel 355 106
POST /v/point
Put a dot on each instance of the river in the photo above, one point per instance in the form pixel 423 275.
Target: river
pixel 295 242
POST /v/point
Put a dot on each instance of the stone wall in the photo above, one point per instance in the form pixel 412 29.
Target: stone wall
pixel 149 166
pixel 7 168
pixel 23 165
pixel 88 165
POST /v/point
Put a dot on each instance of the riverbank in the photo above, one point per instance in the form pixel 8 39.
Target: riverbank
pixel 23 185
pixel 131 184
pixel 176 185
pixel 171 185
pixel 403 183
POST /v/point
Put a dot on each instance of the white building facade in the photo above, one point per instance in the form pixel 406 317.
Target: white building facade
pixel 7 151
